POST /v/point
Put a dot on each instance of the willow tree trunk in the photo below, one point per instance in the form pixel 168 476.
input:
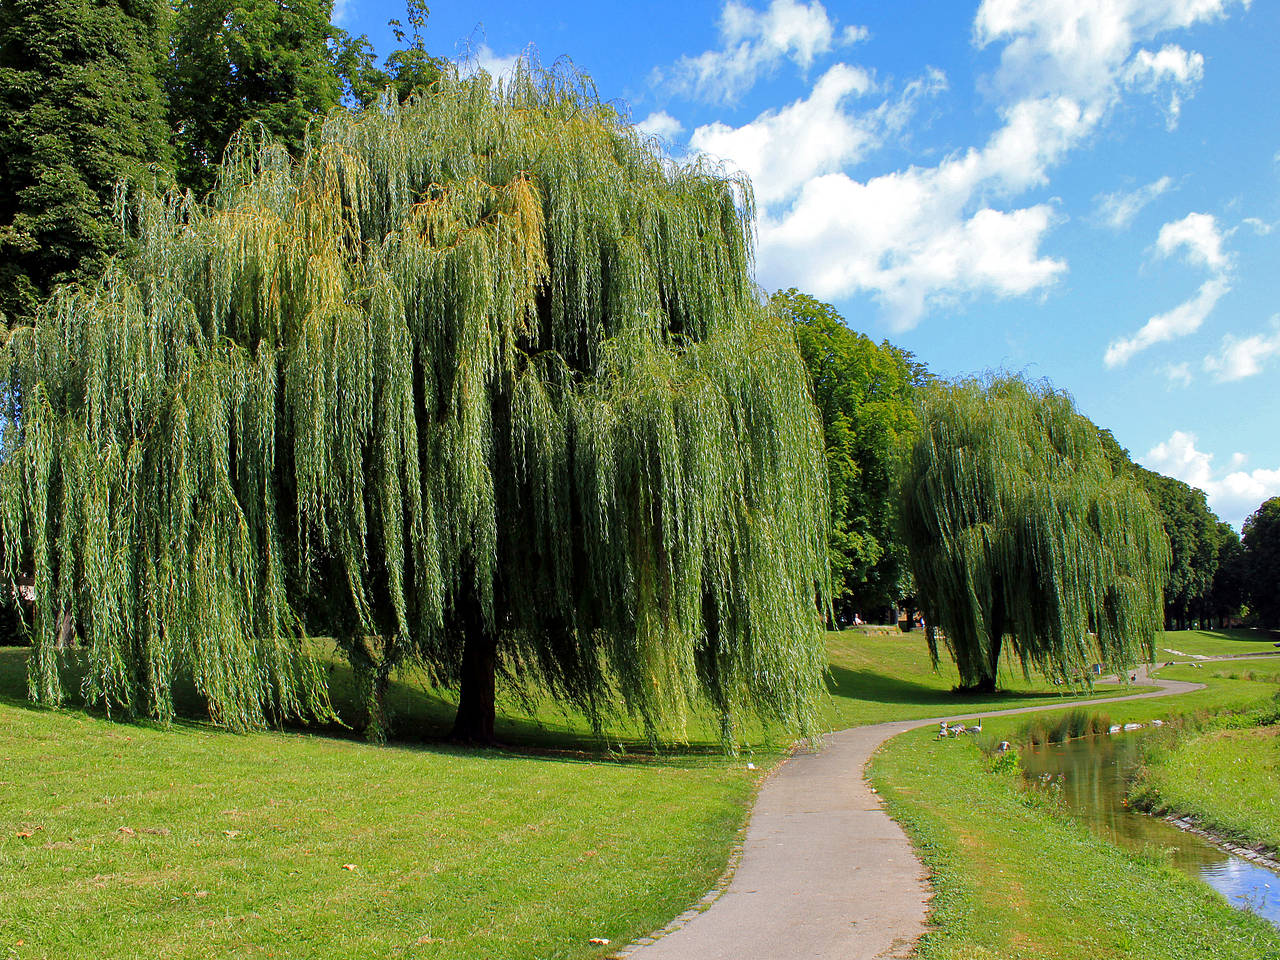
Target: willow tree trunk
pixel 988 682
pixel 476 697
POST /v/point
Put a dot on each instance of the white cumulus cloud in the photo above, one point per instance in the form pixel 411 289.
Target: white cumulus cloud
pixel 932 234
pixel 1171 69
pixel 755 42
pixel 660 124
pixel 1232 494
pixel 1184 319
pixel 1241 357
pixel 1084 48
pixel 1197 237
pixel 782 149
pixel 483 57
pixel 1118 210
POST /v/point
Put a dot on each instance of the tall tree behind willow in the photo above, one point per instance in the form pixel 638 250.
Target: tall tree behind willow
pixel 280 65
pixel 865 394
pixel 1261 539
pixel 80 107
pixel 247 61
pixel 1024 538
pixel 480 382
pixel 1198 541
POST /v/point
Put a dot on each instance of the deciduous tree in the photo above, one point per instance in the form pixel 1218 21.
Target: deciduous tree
pixel 80 107
pixel 479 382
pixel 1024 538
pixel 1261 539
pixel 865 393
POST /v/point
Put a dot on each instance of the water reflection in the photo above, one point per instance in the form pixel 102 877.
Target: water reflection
pixel 1094 773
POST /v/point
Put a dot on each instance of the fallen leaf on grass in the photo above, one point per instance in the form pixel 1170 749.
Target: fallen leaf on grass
pixel 425 939
pixel 348 866
pixel 231 833
pixel 127 831
pixel 28 833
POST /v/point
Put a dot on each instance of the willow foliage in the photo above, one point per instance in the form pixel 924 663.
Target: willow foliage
pixel 479 369
pixel 1019 531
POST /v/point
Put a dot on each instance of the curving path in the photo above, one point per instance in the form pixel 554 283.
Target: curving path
pixel 825 874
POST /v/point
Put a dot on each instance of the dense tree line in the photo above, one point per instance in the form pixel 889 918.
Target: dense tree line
pixel 866 396
pixel 92 91
pixel 1259 564
pixel 1213 579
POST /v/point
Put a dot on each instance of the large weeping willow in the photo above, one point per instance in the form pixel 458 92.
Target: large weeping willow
pixel 1020 533
pixel 480 382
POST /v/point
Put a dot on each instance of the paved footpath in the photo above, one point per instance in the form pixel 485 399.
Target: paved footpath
pixel 825 874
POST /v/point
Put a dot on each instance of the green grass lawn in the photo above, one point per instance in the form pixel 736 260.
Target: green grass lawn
pixel 1215 643
pixel 194 842
pixel 189 841
pixel 1228 780
pixel 1016 878
pixel 878 675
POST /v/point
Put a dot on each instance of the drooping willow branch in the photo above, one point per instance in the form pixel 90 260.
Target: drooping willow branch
pixel 1020 532
pixel 481 363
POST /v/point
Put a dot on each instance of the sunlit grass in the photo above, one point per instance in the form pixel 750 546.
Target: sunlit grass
pixel 1015 877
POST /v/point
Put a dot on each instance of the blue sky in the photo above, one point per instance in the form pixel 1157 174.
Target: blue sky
pixel 1083 190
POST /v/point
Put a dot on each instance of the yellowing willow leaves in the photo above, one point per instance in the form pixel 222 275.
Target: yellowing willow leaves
pixel 480 382
pixel 1020 532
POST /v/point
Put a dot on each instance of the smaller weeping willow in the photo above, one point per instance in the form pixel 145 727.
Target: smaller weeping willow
pixel 479 383
pixel 1022 537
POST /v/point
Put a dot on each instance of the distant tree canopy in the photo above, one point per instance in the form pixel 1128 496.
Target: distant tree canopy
pixel 95 92
pixel 237 62
pixel 1024 537
pixel 1261 541
pixel 478 382
pixel 80 107
pixel 865 394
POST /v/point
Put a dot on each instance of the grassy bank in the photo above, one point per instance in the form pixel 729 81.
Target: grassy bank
pixel 125 840
pixel 1015 877
pixel 877 676
pixel 1226 780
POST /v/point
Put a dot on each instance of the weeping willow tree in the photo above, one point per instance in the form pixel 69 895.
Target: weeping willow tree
pixel 1020 534
pixel 479 382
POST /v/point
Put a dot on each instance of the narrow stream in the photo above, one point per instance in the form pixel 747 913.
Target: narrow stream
pixel 1094 773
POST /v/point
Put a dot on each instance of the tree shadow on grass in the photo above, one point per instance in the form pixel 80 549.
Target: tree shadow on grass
pixel 881 688
pixel 422 720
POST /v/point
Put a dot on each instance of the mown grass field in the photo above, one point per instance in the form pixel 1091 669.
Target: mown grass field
pixel 192 842
pixel 1217 643
pixel 133 840
pixel 1017 878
